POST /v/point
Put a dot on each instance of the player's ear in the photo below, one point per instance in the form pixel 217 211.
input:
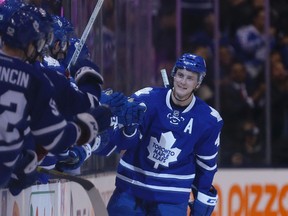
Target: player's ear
pixel 198 83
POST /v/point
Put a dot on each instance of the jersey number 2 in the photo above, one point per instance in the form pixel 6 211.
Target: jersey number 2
pixel 13 103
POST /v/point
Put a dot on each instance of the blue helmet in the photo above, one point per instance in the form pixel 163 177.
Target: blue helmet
pixel 7 9
pixel 22 29
pixel 59 33
pixel 191 62
pixel 68 27
pixel 73 43
pixel 45 19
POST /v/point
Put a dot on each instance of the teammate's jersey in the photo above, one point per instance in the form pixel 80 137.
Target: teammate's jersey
pixel 27 107
pixel 161 165
pixel 70 100
pixel 53 64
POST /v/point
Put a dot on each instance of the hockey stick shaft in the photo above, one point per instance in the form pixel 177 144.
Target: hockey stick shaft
pixel 165 78
pixel 93 193
pixel 85 34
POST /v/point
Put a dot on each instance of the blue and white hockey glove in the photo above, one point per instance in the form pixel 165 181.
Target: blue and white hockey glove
pixel 75 158
pixel 204 204
pixel 115 100
pixel 25 173
pixel 133 117
pixel 102 145
pixel 134 113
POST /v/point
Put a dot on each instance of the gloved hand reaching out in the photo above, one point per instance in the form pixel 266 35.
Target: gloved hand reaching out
pixel 75 157
pixel 133 116
pixel 116 101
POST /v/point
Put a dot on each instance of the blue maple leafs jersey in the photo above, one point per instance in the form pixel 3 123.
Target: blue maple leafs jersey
pixel 53 64
pixel 27 107
pixel 177 148
pixel 70 98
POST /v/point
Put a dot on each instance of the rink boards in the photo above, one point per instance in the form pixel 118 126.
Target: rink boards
pixel 246 192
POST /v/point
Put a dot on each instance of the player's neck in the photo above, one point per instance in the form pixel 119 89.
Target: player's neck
pixel 15 53
pixel 181 101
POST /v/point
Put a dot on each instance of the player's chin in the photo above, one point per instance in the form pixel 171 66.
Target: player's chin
pixel 181 91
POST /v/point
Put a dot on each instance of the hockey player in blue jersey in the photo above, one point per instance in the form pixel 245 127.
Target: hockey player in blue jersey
pixel 77 98
pixel 70 99
pixel 172 150
pixel 29 114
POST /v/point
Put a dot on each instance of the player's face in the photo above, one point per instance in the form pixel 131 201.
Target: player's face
pixel 184 83
pixel 31 52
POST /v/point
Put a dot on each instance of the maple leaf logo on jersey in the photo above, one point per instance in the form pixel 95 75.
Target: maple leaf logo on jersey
pixel 162 152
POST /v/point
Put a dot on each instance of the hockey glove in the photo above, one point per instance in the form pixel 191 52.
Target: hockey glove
pixel 204 204
pixel 102 145
pixel 134 113
pixel 115 100
pixel 75 158
pixel 88 128
pixel 87 77
pixel 25 173
pixel 87 74
pixel 133 117
pixel 103 116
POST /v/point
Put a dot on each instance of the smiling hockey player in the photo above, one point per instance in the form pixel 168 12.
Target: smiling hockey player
pixel 172 149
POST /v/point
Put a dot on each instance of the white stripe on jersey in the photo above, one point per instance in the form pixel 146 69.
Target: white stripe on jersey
pixel 134 182
pixel 204 166
pixel 27 131
pixel 55 142
pixel 161 175
pixel 12 163
pixel 11 147
pixel 207 157
pixel 49 129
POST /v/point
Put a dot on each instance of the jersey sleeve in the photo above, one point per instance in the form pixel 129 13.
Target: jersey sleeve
pixel 48 126
pixel 206 153
pixel 123 141
pixel 70 100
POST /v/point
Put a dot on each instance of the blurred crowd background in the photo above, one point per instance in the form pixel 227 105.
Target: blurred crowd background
pixel 244 42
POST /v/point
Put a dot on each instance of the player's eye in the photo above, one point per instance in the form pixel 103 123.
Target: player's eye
pixel 179 75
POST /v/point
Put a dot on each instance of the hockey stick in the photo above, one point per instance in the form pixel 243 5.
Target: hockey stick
pixel 165 78
pixel 93 193
pixel 85 34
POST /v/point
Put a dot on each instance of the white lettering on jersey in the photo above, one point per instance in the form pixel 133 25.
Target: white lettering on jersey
pixel 162 152
pixel 53 106
pixel 13 103
pixel 189 126
pixel 15 77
